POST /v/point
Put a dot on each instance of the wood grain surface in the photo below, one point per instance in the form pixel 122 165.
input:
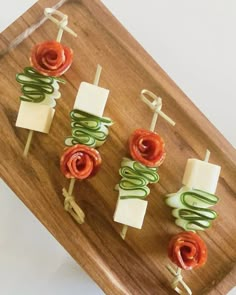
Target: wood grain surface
pixel 136 265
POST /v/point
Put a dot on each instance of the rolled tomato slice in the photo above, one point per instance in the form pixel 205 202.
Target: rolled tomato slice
pixel 147 147
pixel 80 162
pixel 187 250
pixel 51 58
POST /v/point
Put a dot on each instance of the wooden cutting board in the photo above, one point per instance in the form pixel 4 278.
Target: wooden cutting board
pixel 136 265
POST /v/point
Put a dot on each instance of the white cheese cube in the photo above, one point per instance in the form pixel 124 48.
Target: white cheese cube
pixel 130 212
pixel 91 99
pixel 201 175
pixel 34 116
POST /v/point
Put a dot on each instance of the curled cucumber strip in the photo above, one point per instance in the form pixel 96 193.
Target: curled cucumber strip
pixel 38 88
pixel 192 208
pixel 135 178
pixel 88 129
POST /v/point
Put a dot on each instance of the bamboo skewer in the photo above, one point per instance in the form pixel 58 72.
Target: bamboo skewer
pixel 207 156
pixel 124 231
pixel 69 203
pixel 178 279
pixel 28 142
pixel 71 186
pixel 71 206
pixel 155 105
pixel 178 276
pixel 62 24
pixel 97 75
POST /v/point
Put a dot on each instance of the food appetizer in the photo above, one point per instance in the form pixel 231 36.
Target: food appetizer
pixel 147 151
pixel 40 81
pixel 89 130
pixel 191 210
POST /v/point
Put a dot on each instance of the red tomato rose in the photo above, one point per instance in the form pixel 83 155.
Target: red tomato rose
pixel 80 162
pixel 147 147
pixel 187 250
pixel 51 58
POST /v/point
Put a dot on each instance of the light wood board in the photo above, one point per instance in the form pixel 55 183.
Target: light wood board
pixel 136 265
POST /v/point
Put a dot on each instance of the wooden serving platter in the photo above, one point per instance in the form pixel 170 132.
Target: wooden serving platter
pixel 136 265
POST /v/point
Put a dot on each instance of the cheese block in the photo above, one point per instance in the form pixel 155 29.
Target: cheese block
pixel 201 175
pixel 130 212
pixel 91 99
pixel 35 117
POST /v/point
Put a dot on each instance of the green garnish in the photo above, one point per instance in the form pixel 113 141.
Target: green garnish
pixel 35 86
pixel 88 129
pixel 135 178
pixel 191 208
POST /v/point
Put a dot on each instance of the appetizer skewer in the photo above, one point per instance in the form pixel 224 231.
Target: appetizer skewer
pixel 39 83
pixel 147 151
pixel 80 159
pixel 191 210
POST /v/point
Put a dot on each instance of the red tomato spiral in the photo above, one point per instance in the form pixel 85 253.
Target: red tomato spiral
pixel 80 161
pixel 147 147
pixel 51 58
pixel 187 250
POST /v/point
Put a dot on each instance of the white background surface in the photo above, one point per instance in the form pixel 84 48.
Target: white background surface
pixel 194 42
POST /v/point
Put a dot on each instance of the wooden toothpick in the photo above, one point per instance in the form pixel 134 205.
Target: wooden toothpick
pixel 71 186
pixel 207 156
pixel 69 204
pixel 178 279
pixel 62 23
pixel 97 75
pixel 124 231
pixel 28 142
pixel 155 105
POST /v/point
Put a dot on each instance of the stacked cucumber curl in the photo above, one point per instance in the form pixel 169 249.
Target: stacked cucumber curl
pixel 192 211
pixel 88 129
pixel 38 88
pixel 135 178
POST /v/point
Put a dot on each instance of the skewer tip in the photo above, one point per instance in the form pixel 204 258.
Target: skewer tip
pixel 28 143
pixel 207 156
pixel 97 75
pixel 124 231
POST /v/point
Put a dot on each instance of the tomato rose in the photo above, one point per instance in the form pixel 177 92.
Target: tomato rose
pixel 51 58
pixel 80 161
pixel 147 147
pixel 187 250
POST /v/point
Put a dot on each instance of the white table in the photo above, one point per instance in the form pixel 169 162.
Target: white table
pixel 194 42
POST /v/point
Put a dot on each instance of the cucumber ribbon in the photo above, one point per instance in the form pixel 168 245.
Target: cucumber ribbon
pixel 38 88
pixel 192 211
pixel 135 178
pixel 88 129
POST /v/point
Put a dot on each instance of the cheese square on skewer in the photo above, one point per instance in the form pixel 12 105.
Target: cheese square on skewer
pixel 130 212
pixel 91 99
pixel 201 175
pixel 35 117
